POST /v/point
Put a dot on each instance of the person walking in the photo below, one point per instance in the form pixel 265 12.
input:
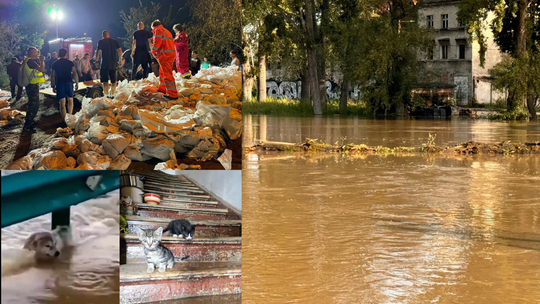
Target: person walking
pixel 62 83
pixel 163 50
pixel 140 51
pixel 111 53
pixel 13 72
pixel 85 67
pixel 33 66
pixel 181 47
pixel 194 64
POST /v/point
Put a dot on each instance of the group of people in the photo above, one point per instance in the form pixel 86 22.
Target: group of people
pixel 159 44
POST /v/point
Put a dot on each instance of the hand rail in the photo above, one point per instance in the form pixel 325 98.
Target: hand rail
pixel 33 193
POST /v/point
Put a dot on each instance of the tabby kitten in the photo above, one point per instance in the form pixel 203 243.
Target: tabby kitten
pixel 181 228
pixel 156 254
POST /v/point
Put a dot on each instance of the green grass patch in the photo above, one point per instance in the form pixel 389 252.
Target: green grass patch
pixel 293 107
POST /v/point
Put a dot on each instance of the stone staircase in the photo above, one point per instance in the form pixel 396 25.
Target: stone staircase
pixel 211 274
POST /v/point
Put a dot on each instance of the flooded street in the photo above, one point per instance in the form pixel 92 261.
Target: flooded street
pixel 91 276
pixel 323 228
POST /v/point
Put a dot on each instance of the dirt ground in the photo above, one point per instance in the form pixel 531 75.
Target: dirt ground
pixel 16 143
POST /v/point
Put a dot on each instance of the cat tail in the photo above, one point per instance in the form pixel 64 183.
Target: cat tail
pixel 181 259
pixel 167 228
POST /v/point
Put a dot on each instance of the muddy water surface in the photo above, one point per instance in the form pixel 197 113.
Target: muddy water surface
pixel 91 275
pixel 410 229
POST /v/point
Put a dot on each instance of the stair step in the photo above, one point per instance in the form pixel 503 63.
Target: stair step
pixel 171 181
pixel 175 212
pixel 176 194
pixel 229 299
pixel 186 279
pixel 204 228
pixel 189 189
pixel 199 249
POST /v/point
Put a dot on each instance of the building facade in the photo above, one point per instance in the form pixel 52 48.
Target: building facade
pixel 454 58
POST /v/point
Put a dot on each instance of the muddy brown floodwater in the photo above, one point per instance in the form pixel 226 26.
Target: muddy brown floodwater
pixel 320 228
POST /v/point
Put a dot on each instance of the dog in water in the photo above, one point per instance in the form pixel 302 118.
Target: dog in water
pixel 49 245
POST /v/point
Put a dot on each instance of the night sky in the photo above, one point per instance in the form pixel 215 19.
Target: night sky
pixel 93 16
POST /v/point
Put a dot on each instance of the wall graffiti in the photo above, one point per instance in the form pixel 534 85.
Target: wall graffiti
pixel 293 89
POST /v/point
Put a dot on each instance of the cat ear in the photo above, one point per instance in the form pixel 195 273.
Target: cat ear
pixel 141 233
pixel 158 232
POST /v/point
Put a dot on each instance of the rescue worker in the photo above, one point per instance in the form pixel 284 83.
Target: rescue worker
pixel 163 51
pixel 33 66
pixel 181 42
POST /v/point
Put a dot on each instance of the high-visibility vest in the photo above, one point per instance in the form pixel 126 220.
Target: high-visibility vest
pixel 163 41
pixel 34 75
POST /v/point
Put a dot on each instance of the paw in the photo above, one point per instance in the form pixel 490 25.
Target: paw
pixel 150 269
pixel 175 235
pixel 162 268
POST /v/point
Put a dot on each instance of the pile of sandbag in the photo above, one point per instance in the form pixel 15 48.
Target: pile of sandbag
pixel 7 114
pixel 139 124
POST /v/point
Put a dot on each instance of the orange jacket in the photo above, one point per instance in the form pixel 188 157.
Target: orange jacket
pixel 163 41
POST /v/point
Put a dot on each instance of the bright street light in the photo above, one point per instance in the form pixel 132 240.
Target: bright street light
pixel 55 15
pixel 60 16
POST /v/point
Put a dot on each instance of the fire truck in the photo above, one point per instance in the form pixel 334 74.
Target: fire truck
pixel 74 46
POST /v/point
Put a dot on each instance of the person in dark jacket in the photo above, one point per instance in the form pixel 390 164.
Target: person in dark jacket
pixel 194 64
pixel 13 72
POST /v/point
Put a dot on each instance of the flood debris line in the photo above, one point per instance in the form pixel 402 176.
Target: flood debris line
pixel 9 115
pixel 468 148
pixel 139 124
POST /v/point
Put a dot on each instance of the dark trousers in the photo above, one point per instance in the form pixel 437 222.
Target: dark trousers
pixel 144 61
pixel 86 76
pixel 32 90
pixel 12 84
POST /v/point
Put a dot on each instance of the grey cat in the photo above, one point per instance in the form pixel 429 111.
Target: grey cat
pixel 156 254
pixel 181 228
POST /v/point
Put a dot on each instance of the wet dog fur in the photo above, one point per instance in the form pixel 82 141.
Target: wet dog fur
pixel 49 245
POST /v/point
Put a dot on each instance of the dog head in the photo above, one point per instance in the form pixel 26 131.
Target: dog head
pixel 43 243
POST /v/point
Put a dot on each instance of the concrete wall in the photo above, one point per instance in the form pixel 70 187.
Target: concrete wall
pixel 226 184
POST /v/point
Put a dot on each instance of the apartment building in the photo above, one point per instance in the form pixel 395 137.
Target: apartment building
pixel 454 58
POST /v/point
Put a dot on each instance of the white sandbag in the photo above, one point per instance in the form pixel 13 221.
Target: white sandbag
pixel 226 159
pixel 115 144
pixel 133 153
pixel 130 110
pixel 168 165
pixel 94 159
pixel 159 147
pixel 130 125
pixel 87 146
pixel 23 163
pixel 121 162
pixel 186 91
pixel 87 166
pixel 59 143
pixel 52 160
pixel 185 141
pixel 97 133
pixel 206 149
pixel 157 123
pixel 210 115
pixel 233 128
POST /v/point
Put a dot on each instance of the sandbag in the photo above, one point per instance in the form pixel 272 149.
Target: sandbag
pixel 52 160
pixel 206 149
pixel 121 162
pixel 159 147
pixel 226 159
pixel 97 133
pixel 23 163
pixel 115 144
pixel 94 159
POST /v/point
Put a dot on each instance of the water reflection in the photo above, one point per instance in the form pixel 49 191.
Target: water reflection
pixel 331 229
pixel 398 132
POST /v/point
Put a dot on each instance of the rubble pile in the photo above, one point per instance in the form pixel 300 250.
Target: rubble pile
pixel 7 114
pixel 139 124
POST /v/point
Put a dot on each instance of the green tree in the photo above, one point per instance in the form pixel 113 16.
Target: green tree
pixel 215 28
pixel 147 15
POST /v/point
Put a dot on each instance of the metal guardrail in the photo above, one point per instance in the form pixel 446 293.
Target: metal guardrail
pixel 33 193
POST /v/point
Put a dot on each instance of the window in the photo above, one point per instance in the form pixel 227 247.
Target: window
pixel 444 19
pixel 444 51
pixel 430 21
pixel 460 23
pixel 462 47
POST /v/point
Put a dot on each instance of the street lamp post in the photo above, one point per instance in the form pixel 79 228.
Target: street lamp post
pixel 56 15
